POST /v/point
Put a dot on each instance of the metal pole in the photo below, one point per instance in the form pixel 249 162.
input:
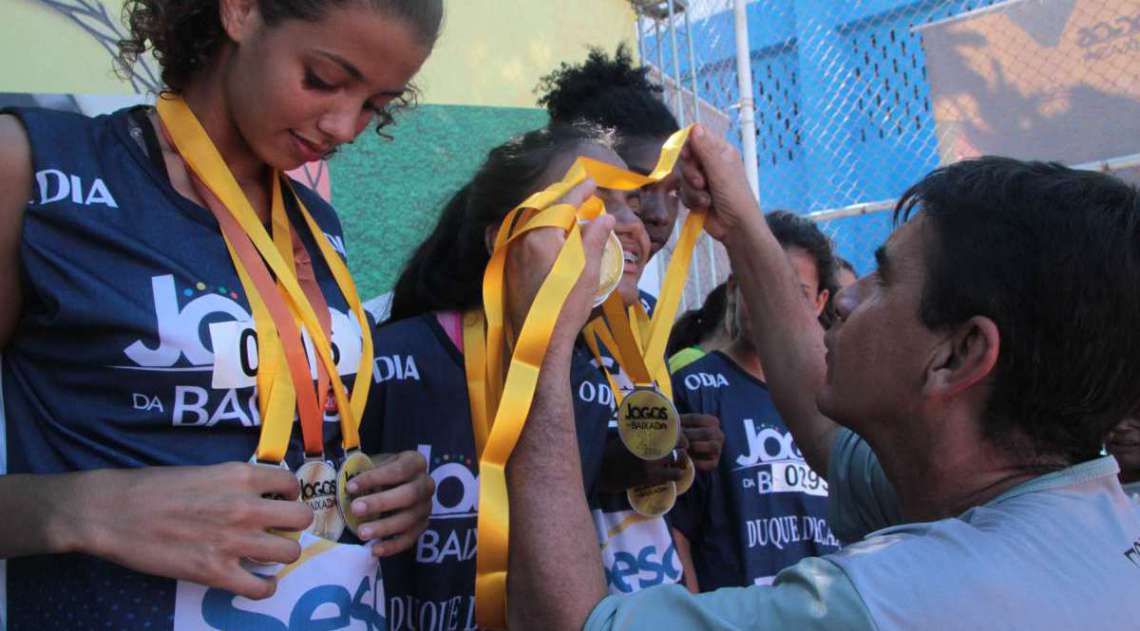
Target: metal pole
pixel 693 69
pixel 744 81
pixel 679 100
pixel 640 39
pixel 660 56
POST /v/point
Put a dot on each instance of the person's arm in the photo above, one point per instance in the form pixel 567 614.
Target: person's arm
pixel 555 575
pixel 685 554
pixel 787 334
pixel 193 523
pixel 190 523
pixel 15 191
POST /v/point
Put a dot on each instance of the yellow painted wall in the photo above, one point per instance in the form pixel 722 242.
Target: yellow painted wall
pixel 492 52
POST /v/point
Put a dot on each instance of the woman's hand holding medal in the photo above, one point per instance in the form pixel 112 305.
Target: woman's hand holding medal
pixel 188 523
pixel 393 501
pixel 531 259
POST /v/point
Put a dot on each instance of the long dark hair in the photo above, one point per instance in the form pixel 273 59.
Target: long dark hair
pixel 697 325
pixel 446 270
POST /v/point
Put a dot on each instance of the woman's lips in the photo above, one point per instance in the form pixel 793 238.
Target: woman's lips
pixel 309 150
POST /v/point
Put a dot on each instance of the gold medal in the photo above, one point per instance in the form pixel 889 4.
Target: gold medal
pixel 318 481
pixel 688 474
pixel 355 463
pixel 613 266
pixel 648 423
pixel 653 500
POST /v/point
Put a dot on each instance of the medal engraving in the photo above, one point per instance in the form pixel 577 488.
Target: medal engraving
pixel 648 424
pixel 653 500
pixel 318 480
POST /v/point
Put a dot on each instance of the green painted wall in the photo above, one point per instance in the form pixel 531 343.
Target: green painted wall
pixel 389 193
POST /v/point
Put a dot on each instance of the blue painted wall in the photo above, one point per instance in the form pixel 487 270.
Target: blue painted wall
pixel 842 102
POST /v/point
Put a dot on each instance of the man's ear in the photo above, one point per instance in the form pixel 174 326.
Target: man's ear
pixel 964 358
pixel 240 18
pixel 821 301
pixel 489 236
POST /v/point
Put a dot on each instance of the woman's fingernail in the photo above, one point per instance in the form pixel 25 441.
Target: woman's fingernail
pixel 353 487
pixel 365 533
pixel 359 507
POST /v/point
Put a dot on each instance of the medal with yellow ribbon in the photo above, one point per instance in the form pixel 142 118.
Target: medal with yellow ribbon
pixel 648 423
pixel 500 393
pixel 279 305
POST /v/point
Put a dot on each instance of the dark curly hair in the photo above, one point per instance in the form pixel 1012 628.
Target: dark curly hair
pixel 186 34
pixel 610 92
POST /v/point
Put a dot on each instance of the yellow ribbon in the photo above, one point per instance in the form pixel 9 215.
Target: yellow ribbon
pixel 202 157
pixel 501 396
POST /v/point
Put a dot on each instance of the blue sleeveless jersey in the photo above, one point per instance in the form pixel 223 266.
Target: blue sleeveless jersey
pixel 762 509
pixel 419 402
pixel 128 351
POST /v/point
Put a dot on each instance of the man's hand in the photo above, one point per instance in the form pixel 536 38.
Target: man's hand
pixel 188 523
pixel 394 500
pixel 622 470
pixel 714 180
pixel 705 438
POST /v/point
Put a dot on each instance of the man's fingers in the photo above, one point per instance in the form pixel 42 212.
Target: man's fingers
pixel 287 515
pixel 701 434
pixel 270 480
pixel 392 471
pixel 269 547
pixel 397 523
pixel 418 491
pixel 396 544
pixel 580 193
pixel 595 234
pixel 244 583
pixel 699 450
pixel 699 420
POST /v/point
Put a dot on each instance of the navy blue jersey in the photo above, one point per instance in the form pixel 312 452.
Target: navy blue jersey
pixel 419 402
pixel 128 351
pixel 637 552
pixel 763 508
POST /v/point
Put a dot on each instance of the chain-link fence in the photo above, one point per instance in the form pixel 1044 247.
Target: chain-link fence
pixel 856 100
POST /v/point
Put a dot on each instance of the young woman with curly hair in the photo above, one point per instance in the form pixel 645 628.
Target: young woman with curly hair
pixel 129 500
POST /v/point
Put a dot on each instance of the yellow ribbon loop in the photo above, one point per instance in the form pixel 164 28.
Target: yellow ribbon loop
pixel 202 158
pixel 500 395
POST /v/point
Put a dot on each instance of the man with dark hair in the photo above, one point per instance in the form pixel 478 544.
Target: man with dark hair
pixel 844 273
pixel 736 519
pixel 983 362
pixel 1123 443
pixel 810 253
